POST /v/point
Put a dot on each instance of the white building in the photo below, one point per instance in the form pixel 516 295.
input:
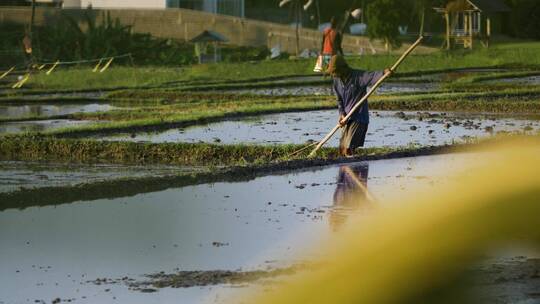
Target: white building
pixel 226 7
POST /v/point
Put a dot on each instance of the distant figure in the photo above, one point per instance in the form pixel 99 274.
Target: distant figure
pixel 27 45
pixel 331 42
pixel 350 86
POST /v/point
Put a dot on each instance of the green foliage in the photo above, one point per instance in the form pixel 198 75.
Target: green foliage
pixel 525 18
pixel 244 53
pixel 95 36
pixel 384 18
pixel 11 49
pixel 69 39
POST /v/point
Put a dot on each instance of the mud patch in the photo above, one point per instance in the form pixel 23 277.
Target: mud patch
pixel 197 278
pixel 515 280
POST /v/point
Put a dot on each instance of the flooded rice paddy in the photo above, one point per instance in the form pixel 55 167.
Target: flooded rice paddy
pixel 48 110
pixel 40 125
pixel 529 80
pixel 16 176
pixel 387 128
pixel 96 251
pixel 60 251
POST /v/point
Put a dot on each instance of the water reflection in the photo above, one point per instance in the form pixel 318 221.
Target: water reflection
pixel 40 125
pixel 351 193
pixel 46 110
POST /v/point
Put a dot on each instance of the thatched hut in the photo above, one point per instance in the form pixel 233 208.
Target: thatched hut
pixel 202 41
pixel 470 19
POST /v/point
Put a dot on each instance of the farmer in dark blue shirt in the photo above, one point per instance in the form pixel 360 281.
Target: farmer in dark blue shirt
pixel 350 86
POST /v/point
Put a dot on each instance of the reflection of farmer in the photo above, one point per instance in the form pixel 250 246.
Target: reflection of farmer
pixel 350 86
pixel 351 192
pixel 331 42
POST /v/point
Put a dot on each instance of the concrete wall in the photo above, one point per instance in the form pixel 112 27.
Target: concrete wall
pixel 123 3
pixel 185 24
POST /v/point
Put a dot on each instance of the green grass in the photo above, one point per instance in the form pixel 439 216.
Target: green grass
pixel 73 150
pixel 160 119
pixel 515 54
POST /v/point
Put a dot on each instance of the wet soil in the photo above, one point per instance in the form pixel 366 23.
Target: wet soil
pixel 515 280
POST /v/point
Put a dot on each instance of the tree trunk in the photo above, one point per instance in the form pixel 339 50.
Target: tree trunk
pixel 318 13
pixel 422 21
pixel 447 19
pixel 32 17
pixel 298 9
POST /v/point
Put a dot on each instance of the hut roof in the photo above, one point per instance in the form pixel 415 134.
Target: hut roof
pixel 489 6
pixel 209 36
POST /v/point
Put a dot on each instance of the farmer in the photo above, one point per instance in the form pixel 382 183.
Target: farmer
pixel 350 86
pixel 331 42
pixel 27 46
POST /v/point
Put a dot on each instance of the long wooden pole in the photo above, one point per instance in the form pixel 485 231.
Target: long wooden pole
pixel 369 93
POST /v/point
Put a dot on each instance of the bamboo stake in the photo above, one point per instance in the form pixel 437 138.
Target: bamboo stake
pixel 301 150
pixel 20 83
pixel 7 72
pixel 106 66
pixel 369 93
pixel 53 67
pixel 97 66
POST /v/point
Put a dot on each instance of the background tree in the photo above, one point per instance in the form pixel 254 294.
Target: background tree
pixel 383 19
pixel 525 18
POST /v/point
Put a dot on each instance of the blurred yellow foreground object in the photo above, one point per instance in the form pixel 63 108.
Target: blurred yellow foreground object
pixel 409 253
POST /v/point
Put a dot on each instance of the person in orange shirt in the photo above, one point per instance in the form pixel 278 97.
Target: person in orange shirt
pixel 331 43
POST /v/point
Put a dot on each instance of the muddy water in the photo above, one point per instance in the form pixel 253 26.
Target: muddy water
pixel 40 125
pixel 52 95
pixel 52 252
pixel 387 128
pixel 530 80
pixel 47 110
pixel 327 90
pixel 16 176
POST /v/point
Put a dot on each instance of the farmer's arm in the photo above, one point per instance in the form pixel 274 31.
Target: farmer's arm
pixel 341 107
pixel 369 79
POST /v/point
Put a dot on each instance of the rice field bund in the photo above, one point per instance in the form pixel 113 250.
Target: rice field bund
pixel 182 185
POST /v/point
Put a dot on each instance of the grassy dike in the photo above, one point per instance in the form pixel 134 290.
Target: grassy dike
pixel 44 148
